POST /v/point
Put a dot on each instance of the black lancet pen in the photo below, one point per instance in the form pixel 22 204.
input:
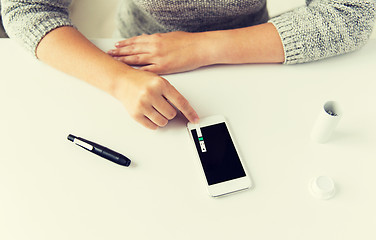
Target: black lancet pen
pixel 100 150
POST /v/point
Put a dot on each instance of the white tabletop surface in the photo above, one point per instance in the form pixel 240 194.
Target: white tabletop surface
pixel 52 189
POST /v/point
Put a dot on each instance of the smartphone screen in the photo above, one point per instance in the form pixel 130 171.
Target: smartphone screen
pixel 220 160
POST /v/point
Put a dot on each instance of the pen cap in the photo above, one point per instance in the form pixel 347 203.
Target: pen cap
pixel 326 122
pixel 71 137
pixel 115 157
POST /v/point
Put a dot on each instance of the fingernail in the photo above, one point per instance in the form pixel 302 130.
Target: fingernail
pixel 196 120
pixel 117 44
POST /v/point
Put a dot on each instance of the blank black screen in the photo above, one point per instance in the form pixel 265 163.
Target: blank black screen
pixel 221 161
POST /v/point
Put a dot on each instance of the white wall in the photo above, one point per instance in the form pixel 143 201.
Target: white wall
pixel 95 18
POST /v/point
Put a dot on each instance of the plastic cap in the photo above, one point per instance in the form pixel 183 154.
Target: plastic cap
pixel 322 187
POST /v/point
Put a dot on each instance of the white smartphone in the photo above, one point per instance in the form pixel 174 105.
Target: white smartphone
pixel 218 156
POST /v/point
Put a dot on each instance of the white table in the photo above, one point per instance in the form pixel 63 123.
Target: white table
pixel 52 189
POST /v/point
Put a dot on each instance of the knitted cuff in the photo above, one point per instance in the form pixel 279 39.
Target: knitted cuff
pixel 41 27
pixel 292 44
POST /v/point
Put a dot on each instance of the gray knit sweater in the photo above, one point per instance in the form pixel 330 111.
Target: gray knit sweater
pixel 320 29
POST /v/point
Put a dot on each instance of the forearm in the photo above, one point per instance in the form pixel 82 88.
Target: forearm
pixel 68 50
pixel 146 96
pixel 256 44
pixel 325 28
pixel 322 29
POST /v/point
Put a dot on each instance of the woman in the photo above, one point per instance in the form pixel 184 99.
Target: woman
pixel 184 35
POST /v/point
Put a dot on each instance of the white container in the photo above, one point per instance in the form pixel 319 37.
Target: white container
pixel 326 122
pixel 322 187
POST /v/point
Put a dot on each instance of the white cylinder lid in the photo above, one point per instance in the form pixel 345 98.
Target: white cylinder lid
pixel 322 187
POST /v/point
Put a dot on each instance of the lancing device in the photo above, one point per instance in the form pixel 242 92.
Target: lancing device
pixel 100 150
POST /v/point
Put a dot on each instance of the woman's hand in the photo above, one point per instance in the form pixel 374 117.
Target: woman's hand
pixel 162 53
pixel 149 98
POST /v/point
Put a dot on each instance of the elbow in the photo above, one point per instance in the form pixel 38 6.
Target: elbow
pixel 3 18
pixel 368 21
pixel 372 20
pixel 28 22
pixel 10 14
pixel 360 22
pixel 14 26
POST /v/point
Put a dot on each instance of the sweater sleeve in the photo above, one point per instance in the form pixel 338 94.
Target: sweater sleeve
pixel 29 21
pixel 325 28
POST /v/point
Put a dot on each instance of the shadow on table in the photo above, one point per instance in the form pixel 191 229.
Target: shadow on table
pixel 348 137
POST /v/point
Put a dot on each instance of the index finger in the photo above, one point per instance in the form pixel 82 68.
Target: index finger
pixel 181 103
pixel 129 41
